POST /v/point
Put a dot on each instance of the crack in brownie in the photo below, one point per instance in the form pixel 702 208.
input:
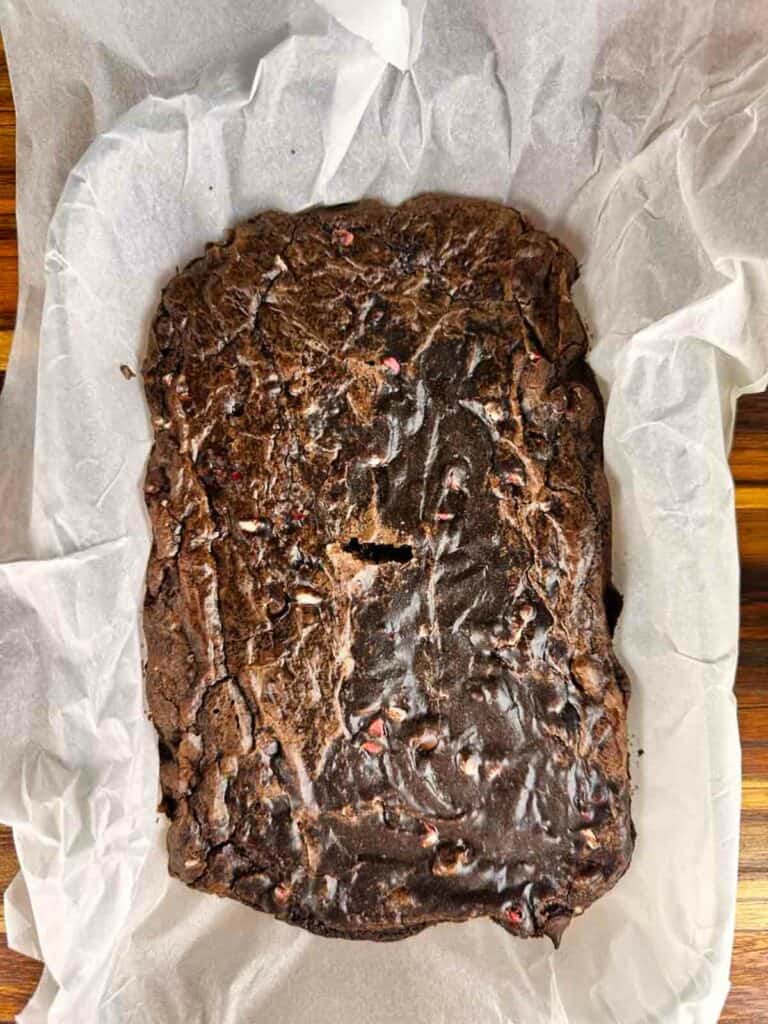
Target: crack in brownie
pixel 378 608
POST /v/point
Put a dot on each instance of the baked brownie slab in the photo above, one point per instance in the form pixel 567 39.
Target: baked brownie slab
pixel 379 658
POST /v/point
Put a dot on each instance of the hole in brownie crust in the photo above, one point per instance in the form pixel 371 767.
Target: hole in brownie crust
pixel 379 552
pixel 613 602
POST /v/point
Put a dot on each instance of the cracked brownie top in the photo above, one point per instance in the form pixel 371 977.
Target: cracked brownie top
pixel 378 609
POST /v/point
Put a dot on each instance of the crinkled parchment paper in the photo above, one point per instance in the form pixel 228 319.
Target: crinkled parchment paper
pixel 637 131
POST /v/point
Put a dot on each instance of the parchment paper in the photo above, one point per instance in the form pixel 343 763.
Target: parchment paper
pixel 636 131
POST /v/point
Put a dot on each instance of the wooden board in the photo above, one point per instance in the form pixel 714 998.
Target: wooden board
pixel 748 1002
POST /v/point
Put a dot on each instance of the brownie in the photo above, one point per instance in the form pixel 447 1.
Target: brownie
pixel 378 610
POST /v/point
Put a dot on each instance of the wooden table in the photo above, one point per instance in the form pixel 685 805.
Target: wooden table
pixel 748 1002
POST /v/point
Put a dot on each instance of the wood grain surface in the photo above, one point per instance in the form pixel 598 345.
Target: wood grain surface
pixel 748 1001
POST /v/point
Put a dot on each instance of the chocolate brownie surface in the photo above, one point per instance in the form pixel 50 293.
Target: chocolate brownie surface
pixel 379 655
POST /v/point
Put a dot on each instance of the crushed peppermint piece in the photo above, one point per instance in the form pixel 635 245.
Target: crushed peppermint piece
pixel 341 236
pixel 527 612
pixel 373 748
pixel 431 835
pixel 282 892
pixel 392 364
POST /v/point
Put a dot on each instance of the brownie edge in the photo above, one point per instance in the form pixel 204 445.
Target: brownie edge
pixel 378 609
